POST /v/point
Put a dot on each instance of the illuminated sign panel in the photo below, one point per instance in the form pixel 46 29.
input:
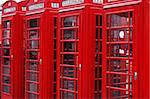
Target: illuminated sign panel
pixel 8 10
pixel 71 2
pixel 55 5
pixel 97 1
pixel 36 6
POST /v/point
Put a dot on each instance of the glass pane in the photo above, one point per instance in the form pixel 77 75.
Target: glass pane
pixel 69 46
pixel 6 89
pixel 6 42
pixel 119 65
pixel 34 23
pixel 68 84
pixel 6 34
pixel 33 76
pixel 69 34
pixel 70 21
pixel 34 44
pixel 119 50
pixel 32 96
pixel 33 55
pixel 119 35
pixel 6 79
pixel 69 59
pixel 33 66
pixel 68 72
pixel 33 87
pixel 117 80
pixel 6 52
pixel 34 34
pixel 6 70
pixel 120 19
pixel 6 61
pixel 7 24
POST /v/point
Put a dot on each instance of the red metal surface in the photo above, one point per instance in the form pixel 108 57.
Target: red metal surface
pixel 144 82
pixel 12 65
pixel 41 27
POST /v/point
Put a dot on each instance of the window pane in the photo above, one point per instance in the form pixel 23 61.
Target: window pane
pixel 6 79
pixel 6 89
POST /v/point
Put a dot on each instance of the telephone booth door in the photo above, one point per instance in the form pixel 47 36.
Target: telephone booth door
pixel 69 38
pixel 32 58
pixel 121 64
pixel 6 57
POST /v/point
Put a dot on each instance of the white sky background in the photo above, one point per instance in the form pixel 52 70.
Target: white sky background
pixel 2 1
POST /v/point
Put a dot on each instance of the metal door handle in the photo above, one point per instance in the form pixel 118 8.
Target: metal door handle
pixel 135 75
pixel 12 56
pixel 80 67
pixel 40 61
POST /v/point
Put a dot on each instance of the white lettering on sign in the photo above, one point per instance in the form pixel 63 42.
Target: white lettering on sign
pixel 23 8
pixel 55 5
pixel 97 1
pixel 71 2
pixel 36 6
pixel 8 10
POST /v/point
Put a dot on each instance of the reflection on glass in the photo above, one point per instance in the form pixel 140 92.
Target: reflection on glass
pixel 34 44
pixel 69 59
pixel 68 84
pixel 34 23
pixel 68 72
pixel 6 89
pixel 33 34
pixel 6 70
pixel 33 55
pixel 6 61
pixel 33 66
pixel 69 34
pixel 32 96
pixel 119 35
pixel 33 87
pixel 69 46
pixel 6 52
pixel 6 79
pixel 7 24
pixel 120 19
pixel 33 76
pixel 6 42
pixel 119 50
pixel 70 21
pixel 6 34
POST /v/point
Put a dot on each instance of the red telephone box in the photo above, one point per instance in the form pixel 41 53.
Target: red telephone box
pixel 79 56
pixel 12 65
pixel 41 28
pixel 121 49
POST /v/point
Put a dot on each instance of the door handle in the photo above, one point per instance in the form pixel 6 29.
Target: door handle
pixel 12 56
pixel 135 75
pixel 80 67
pixel 40 61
